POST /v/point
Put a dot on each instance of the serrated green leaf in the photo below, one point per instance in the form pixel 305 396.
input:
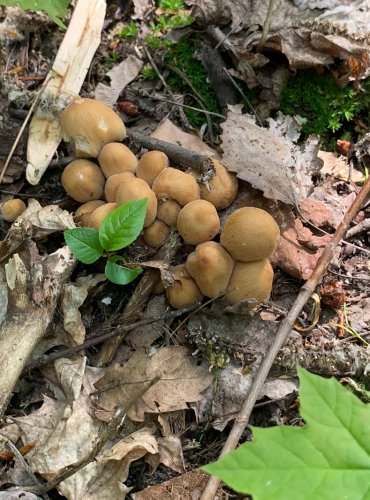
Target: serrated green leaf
pixel 118 274
pixel 55 9
pixel 84 244
pixel 122 226
pixel 328 458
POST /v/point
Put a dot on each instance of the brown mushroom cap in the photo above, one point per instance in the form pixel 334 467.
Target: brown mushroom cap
pixel 250 281
pixel 176 185
pixel 90 124
pixel 83 180
pixel 151 165
pixel 156 234
pixel 211 267
pixel 82 214
pixel 184 291
pixel 135 189
pixel 198 221
pixel 112 184
pixel 12 209
pixel 250 234
pixel 100 213
pixel 168 211
pixel 115 158
pixel 221 189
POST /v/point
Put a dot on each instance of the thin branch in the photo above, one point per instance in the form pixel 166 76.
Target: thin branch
pixel 282 334
pixel 266 24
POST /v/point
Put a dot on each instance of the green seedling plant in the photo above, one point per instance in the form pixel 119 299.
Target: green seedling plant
pixel 118 230
pixel 129 31
pixel 55 9
pixel 329 457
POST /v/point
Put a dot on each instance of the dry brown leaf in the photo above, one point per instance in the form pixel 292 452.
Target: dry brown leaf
pixel 70 375
pixel 145 335
pixel 120 76
pixel 266 159
pixel 167 131
pixel 182 382
pixel 73 296
pixel 169 454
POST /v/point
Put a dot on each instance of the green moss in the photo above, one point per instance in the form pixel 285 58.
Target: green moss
pixel 129 31
pixel 327 107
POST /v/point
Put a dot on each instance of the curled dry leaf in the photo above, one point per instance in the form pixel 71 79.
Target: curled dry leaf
pixel 266 159
pixel 182 382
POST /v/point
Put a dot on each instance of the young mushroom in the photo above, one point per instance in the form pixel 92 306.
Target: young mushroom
pixel 90 124
pixel 197 222
pixel 211 267
pixel 115 158
pixel 168 211
pixel 184 291
pixel 135 189
pixel 83 180
pixel 250 281
pixel 173 184
pixel 156 234
pixel 99 214
pixel 221 189
pixel 12 209
pixel 250 234
pixel 113 183
pixel 151 165
pixel 82 214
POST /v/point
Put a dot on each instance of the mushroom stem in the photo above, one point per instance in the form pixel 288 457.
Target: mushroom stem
pixel 176 153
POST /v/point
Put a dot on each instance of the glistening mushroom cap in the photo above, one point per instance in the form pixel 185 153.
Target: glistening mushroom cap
pixel 184 291
pixel 211 267
pixel 250 281
pixel 136 189
pixel 12 209
pixel 173 184
pixel 83 180
pixel 250 234
pixel 116 158
pixel 151 165
pixel 90 124
pixel 156 234
pixel 197 222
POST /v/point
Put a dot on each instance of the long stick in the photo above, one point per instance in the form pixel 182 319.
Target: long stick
pixel 283 332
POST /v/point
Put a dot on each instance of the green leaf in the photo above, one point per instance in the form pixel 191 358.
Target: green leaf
pixel 55 9
pixel 122 226
pixel 84 244
pixel 118 274
pixel 327 458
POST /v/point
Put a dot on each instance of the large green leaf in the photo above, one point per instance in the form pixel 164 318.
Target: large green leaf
pixel 122 226
pixel 84 244
pixel 328 458
pixel 55 9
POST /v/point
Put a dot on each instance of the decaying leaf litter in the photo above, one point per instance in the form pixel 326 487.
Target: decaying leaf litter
pixel 206 360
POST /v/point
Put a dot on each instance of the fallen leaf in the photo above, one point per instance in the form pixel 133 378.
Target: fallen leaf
pixel 169 454
pixel 120 76
pixel 267 160
pixel 141 7
pixel 182 382
pixel 145 335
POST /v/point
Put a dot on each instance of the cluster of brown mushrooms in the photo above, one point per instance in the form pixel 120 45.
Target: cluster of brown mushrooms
pixel 237 266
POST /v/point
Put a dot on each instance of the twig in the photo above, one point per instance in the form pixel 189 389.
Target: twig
pixel 266 24
pixel 120 330
pixel 23 463
pixel 359 228
pixel 176 153
pixel 282 334
pixel 160 98
pixel 115 423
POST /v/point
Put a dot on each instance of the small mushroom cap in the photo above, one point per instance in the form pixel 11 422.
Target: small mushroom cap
pixel 100 213
pixel 184 291
pixel 158 287
pixel 156 234
pixel 176 185
pixel 250 281
pixel 221 189
pixel 198 221
pixel 82 214
pixel 250 234
pixel 151 165
pixel 83 180
pixel 12 209
pixel 90 124
pixel 211 267
pixel 168 211
pixel 112 184
pixel 115 158
pixel 135 189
